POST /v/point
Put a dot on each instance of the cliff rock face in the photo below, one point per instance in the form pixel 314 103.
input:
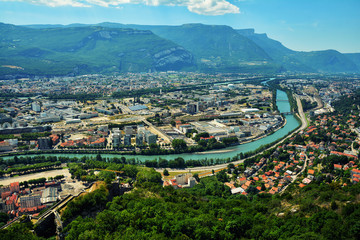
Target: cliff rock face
pixel 173 58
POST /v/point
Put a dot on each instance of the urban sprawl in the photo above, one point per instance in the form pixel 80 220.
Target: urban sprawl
pixel 172 113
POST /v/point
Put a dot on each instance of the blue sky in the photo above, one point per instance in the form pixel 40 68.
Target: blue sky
pixel 303 25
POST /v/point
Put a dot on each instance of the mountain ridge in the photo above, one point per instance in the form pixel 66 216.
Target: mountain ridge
pixel 81 50
pixel 187 47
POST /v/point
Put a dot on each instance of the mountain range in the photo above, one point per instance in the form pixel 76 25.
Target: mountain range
pixel 114 48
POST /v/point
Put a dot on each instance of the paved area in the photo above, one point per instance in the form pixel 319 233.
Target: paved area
pixel 46 174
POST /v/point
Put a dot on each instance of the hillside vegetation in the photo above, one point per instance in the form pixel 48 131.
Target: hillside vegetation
pixel 112 48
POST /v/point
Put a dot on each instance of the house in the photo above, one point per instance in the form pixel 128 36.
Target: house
pixel 231 186
pixel 311 171
pixel 337 166
pixel 237 190
pixel 306 181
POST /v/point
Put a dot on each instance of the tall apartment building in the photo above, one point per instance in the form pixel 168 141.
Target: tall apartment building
pixel 44 143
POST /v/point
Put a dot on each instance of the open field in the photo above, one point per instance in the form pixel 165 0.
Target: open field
pixel 173 174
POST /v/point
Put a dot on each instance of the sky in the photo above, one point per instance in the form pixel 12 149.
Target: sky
pixel 302 25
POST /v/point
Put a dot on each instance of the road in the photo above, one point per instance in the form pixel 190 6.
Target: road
pixel 157 131
pixel 301 113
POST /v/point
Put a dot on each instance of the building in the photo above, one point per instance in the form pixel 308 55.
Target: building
pixel 5 146
pixel 55 139
pixel 48 119
pixel 138 107
pixel 247 110
pixel 116 139
pixel 129 130
pixel 103 128
pixel 14 187
pixel 30 201
pixel 150 138
pixel 192 108
pixel 139 139
pixel 104 111
pixel 127 140
pixel 49 195
pixel 44 143
pixel 88 115
pixel 101 142
pixel 35 107
pixel 182 181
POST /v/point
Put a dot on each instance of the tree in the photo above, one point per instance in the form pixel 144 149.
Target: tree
pixel 163 163
pixel 196 176
pixel 173 123
pixel 179 145
pixel 148 175
pixel 222 176
pixel 166 172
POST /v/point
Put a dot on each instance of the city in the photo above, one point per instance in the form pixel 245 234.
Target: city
pixel 186 119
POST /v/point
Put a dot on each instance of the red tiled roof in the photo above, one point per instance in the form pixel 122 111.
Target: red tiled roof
pixel 338 166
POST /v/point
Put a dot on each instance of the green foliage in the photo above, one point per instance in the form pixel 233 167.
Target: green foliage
pixel 19 231
pixel 209 211
pixel 166 172
pixel 85 204
pixel 307 105
pixel 3 218
pixel 230 140
pixel 179 145
pixel 82 50
pixel 196 176
pixel 200 135
pixel 148 175
pixel 222 176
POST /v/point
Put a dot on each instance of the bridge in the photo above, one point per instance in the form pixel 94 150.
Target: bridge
pixel 288 113
pixel 282 100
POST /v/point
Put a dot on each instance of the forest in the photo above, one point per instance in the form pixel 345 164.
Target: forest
pixel 209 211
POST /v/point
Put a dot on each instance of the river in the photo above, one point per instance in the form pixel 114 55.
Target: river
pixel 283 104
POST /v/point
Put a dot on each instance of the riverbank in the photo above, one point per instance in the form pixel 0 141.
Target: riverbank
pixel 132 153
pixel 208 169
pixel 249 141
pixel 210 157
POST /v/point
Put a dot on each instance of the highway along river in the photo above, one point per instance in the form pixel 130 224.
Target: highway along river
pixel 283 104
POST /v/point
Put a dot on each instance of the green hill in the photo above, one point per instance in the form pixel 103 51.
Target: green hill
pixel 316 61
pixel 354 57
pixel 329 61
pixel 113 47
pixel 88 49
pixel 276 51
pixel 217 48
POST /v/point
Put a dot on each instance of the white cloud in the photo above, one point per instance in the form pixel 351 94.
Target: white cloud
pixel 203 7
pixel 53 3
pixel 213 7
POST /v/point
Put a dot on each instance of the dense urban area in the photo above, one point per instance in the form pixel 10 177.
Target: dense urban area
pixel 103 157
